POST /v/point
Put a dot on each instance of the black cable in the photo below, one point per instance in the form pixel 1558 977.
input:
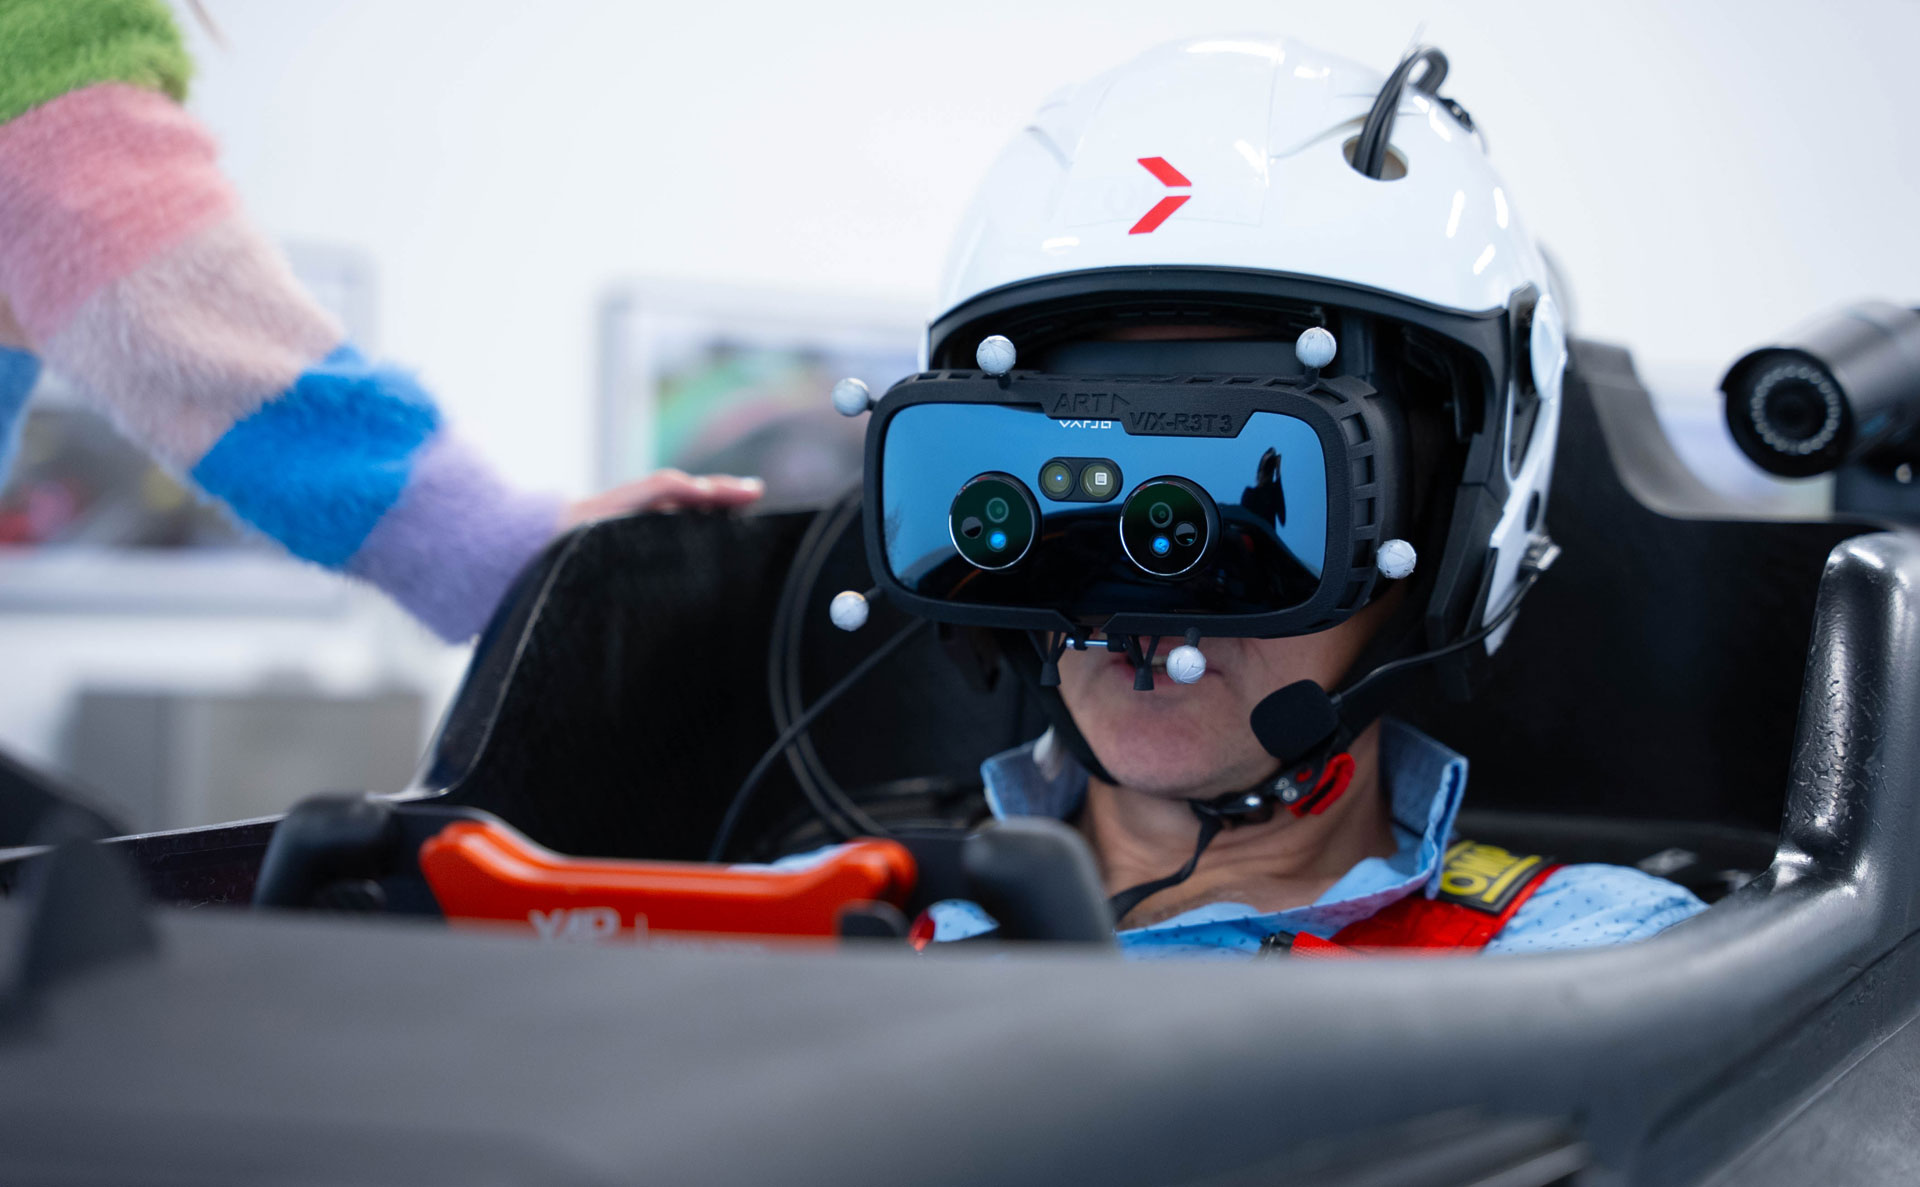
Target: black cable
pixel 1436 72
pixel 1426 657
pixel 836 808
pixel 1370 150
pixel 742 797
pixel 783 693
pixel 802 752
pixel 1121 905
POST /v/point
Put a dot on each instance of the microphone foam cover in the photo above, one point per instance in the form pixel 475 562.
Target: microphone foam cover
pixel 1295 721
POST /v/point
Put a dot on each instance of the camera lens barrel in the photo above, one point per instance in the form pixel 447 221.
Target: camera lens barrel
pixel 993 520
pixel 1843 389
pixel 1166 525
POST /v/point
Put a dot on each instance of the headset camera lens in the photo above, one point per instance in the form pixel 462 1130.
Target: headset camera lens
pixel 1166 525
pixel 1005 503
pixel 1056 478
pixel 1099 481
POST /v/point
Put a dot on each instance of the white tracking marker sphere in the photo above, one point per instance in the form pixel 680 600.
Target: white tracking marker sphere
pixel 1315 348
pixel 995 355
pixel 848 610
pixel 1395 559
pixel 851 397
pixel 1185 664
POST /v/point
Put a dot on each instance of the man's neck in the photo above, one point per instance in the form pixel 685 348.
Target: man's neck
pixel 1286 862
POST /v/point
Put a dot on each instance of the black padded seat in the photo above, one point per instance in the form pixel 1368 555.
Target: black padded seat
pixel 621 695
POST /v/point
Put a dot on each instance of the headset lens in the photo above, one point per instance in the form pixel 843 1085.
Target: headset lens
pixel 993 520
pixel 1166 525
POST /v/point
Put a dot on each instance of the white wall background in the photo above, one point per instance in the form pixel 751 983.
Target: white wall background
pixel 1708 172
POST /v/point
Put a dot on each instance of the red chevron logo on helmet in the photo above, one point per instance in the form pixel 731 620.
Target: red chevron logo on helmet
pixel 1170 177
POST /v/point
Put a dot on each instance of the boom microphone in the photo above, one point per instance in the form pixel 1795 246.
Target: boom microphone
pixel 1295 721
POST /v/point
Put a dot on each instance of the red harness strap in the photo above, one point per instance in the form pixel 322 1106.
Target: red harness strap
pixel 1482 887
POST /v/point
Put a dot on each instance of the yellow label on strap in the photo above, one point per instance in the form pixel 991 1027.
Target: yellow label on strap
pixel 1485 877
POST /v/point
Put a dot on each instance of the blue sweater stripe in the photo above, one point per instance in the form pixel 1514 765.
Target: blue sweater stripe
pixel 19 371
pixel 318 465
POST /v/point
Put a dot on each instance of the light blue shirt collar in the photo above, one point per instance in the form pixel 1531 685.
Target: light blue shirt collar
pixel 1423 780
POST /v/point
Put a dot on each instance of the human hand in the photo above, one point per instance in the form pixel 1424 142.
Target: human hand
pixel 664 490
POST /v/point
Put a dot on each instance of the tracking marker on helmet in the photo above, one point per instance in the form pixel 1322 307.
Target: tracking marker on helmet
pixel 1315 348
pixel 1395 559
pixel 851 397
pixel 848 610
pixel 996 355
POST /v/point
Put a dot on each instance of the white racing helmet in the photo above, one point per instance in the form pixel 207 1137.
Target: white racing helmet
pixel 1258 177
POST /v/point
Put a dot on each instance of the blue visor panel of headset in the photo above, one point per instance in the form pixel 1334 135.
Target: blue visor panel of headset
pixel 1004 505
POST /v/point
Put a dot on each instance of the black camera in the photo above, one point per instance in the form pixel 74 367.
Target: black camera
pixel 1844 389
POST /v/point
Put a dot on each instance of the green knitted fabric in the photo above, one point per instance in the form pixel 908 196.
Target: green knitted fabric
pixel 50 47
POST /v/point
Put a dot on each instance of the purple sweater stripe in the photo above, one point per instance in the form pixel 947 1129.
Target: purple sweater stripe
pixel 454 540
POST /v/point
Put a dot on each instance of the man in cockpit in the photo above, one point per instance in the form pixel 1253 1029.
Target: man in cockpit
pixel 1276 193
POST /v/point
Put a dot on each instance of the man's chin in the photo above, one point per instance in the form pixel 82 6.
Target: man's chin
pixel 1168 753
pixel 1160 775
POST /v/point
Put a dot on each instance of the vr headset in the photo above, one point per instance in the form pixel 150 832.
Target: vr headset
pixel 1215 504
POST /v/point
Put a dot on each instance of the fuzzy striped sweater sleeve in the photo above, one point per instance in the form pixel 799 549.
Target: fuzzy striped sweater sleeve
pixel 130 267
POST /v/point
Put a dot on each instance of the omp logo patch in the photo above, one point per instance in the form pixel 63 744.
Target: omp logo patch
pixel 1485 877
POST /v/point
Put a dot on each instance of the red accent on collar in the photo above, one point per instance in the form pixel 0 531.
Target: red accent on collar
pixel 1417 925
pixel 1334 778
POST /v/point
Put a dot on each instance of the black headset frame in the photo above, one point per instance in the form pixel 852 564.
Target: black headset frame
pixel 1358 437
